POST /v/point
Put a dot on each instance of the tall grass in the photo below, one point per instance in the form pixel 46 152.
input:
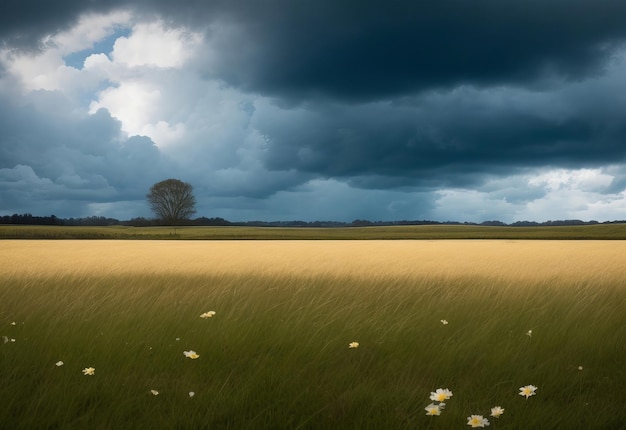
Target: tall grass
pixel 276 353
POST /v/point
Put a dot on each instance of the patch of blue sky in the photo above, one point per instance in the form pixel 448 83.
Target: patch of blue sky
pixel 104 46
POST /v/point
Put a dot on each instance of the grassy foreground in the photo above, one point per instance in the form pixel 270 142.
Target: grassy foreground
pixel 598 231
pixel 275 355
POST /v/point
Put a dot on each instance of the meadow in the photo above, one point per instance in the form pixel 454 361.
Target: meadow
pixel 311 334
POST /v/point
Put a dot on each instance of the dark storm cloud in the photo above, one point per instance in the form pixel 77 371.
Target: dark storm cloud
pixel 357 50
pixel 366 51
pixel 24 23
pixel 453 140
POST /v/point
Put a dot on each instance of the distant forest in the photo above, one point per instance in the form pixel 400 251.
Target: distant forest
pixel 29 219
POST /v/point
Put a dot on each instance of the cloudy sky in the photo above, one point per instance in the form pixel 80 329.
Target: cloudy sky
pixel 316 110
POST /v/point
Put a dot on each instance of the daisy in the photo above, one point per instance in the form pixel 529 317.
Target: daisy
pixel 191 354
pixel 89 371
pixel 353 345
pixel 154 392
pixel 59 363
pixel 527 391
pixel 496 411
pixel 440 395
pixel 477 421
pixel 207 314
pixel 434 409
pixel 444 322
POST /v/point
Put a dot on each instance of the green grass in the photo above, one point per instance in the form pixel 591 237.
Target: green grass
pixel 597 231
pixel 275 356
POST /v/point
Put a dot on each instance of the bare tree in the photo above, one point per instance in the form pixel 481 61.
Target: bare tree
pixel 172 201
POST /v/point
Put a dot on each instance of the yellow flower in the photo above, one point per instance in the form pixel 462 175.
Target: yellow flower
pixel 434 409
pixel 353 345
pixel 59 363
pixel 440 395
pixel 207 314
pixel 496 411
pixel 527 391
pixel 154 392
pixel 89 371
pixel 477 421
pixel 444 322
pixel 191 354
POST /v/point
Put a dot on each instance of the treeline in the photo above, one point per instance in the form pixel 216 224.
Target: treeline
pixel 29 219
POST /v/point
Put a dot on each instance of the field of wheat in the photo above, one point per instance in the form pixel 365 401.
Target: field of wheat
pixel 312 334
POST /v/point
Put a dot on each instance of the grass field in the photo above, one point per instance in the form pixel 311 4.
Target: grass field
pixel 275 355
pixel 573 232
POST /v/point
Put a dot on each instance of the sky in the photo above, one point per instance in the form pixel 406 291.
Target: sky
pixel 335 110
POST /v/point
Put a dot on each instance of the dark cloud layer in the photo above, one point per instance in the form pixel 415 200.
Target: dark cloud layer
pixel 367 52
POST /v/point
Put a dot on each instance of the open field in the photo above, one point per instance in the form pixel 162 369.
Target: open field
pixel 275 354
pixel 576 232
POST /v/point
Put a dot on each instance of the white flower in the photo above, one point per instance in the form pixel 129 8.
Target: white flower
pixel 59 363
pixel 154 392
pixel 191 354
pixel 440 395
pixel 208 314
pixel 444 322
pixel 434 409
pixel 13 323
pixel 353 345
pixel 89 371
pixel 580 368
pixel 191 394
pixel 529 333
pixel 496 411
pixel 527 391
pixel 477 421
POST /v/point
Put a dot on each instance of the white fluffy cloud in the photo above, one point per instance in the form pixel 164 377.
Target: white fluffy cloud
pixel 540 195
pixel 134 103
pixel 588 180
pixel 576 194
pixel 153 45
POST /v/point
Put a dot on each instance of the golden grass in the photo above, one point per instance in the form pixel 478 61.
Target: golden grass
pixel 577 261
